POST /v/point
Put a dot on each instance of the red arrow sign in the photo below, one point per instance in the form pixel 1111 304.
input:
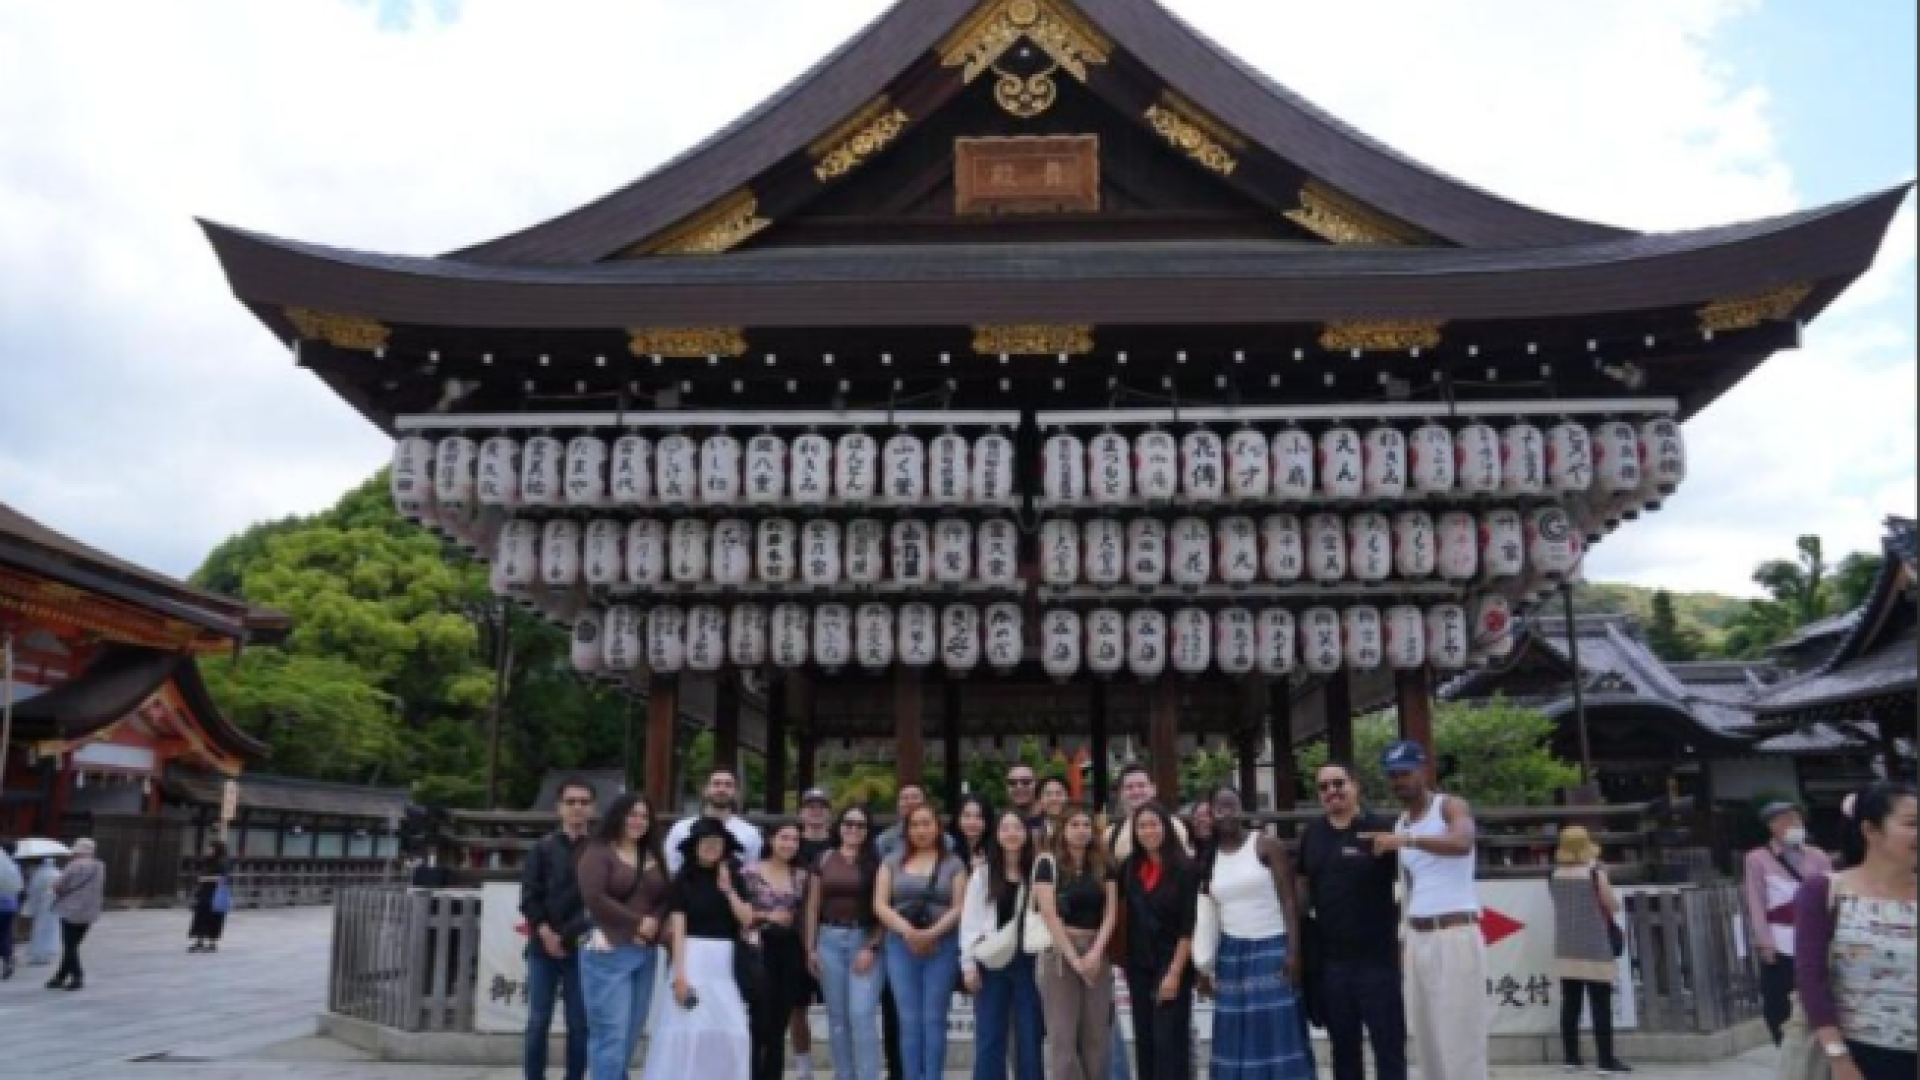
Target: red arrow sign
pixel 1496 928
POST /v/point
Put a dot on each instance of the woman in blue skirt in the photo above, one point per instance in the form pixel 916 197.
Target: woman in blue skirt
pixel 1257 1033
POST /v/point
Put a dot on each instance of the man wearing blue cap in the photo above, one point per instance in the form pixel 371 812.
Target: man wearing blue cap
pixel 1446 960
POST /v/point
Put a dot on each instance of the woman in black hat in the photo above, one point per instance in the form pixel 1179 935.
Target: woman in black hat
pixel 706 1033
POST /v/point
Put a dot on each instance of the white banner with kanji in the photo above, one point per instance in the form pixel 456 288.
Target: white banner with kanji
pixel 1523 994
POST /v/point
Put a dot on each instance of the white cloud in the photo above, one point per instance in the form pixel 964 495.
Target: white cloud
pixel 145 411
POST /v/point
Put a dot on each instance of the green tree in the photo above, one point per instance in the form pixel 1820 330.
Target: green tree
pixel 1494 753
pixel 1668 639
pixel 1797 592
pixel 1853 579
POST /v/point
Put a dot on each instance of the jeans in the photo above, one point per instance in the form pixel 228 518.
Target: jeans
pixel 1364 999
pixel 853 1002
pixel 922 991
pixel 1119 1066
pixel 1008 1005
pixel 71 935
pixel 618 988
pixel 1162 1031
pixel 1601 994
pixel 6 936
pixel 1776 993
pixel 546 979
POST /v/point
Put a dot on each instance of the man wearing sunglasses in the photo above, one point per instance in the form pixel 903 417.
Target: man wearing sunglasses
pixel 1023 793
pixel 1349 892
pixel 556 917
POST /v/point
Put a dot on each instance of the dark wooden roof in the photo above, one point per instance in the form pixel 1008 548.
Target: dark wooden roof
pixel 1878 661
pixel 290 795
pixel 118 680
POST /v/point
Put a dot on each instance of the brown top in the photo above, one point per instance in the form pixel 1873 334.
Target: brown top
pixel 619 896
pixel 841 884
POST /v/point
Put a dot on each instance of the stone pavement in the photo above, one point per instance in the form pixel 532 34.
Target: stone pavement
pixel 153 1012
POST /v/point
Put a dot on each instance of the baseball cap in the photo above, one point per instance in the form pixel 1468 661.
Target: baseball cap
pixel 1775 809
pixel 814 794
pixel 1405 754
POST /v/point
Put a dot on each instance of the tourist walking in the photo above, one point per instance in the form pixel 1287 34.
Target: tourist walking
pixel 918 898
pixel 843 946
pixel 1257 1029
pixel 1349 891
pixel 1584 914
pixel 1074 887
pixel 43 942
pixel 78 895
pixel 995 965
pixel 1159 886
pixel 719 802
pixel 707 1034
pixel 13 886
pixel 1446 958
pixel 623 885
pixel 556 918
pixel 212 899
pixel 1857 958
pixel 776 889
pixel 1774 873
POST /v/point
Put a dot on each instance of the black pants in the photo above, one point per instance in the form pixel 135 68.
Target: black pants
pixel 1572 991
pixel 71 935
pixel 1776 993
pixel 786 987
pixel 1162 1032
pixel 1880 1063
pixel 1365 998
pixel 890 1033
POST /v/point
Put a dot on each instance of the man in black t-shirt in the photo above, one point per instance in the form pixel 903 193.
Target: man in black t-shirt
pixel 1349 891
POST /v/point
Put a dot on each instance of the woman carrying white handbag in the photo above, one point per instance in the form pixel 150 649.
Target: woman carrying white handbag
pixel 995 966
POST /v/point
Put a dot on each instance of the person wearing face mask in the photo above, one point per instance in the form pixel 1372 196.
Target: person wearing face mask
pixel 1774 872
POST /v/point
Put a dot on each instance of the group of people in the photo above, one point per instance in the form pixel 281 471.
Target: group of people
pixel 63 904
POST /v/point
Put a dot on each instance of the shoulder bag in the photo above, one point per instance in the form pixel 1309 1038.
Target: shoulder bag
pixel 997 950
pixel 1616 937
pixel 1039 938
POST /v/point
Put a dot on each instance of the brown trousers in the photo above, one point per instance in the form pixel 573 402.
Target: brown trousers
pixel 1079 1015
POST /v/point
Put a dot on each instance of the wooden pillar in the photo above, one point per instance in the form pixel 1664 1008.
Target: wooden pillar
pixel 950 741
pixel 909 732
pixel 1246 741
pixel 1339 700
pixel 663 713
pixel 1286 790
pixel 726 721
pixel 1097 747
pixel 1163 736
pixel 806 728
pixel 777 728
pixel 1413 692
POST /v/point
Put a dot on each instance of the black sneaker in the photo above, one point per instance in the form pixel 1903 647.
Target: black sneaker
pixel 1612 1068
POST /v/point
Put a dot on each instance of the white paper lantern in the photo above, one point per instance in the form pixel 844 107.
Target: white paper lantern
pixel 1476 459
pixel 606 552
pixel 953 551
pixel 587 634
pixel 732 557
pixel 950 473
pixel 560 552
pixel 1616 458
pixel 412 478
pixel 992 470
pixel 646 552
pixel 1203 467
pixel 904 458
pixel 1370 546
pixel 1192 641
pixel 720 470
pixel 1448 641
pixel 1060 649
pixel 1156 458
pixel 666 640
pixel 1147 643
pixel 766 470
pixel 1385 454
pixel 1235 641
pixel 1430 459
pixel 623 637
pixel 1006 641
pixel 1553 543
pixel 1523 460
pixel 1414 545
pixel 1283 549
pixel 455 482
pixel 1190 552
pixel 812 470
pixel 998 561
pixel 1492 626
pixel 1341 463
pixel 820 564
pixel 1146 552
pixel 866 552
pixel 1362 637
pixel 1109 473
pixel 586 477
pixel 747 635
pixel 689 542
pixel 540 471
pixel 518 554
pixel 832 636
pixel 1326 548
pixel 499 473
pixel 790 633
pixel 856 467
pixel 1059 552
pixel 706 638
pixel 1238 550
pixel 873 636
pixel 1274 641
pixel 1106 642
pixel 1292 454
pixel 960 637
pixel 1404 632
pixel 676 471
pixel 1103 542
pixel 1663 454
pixel 1063 461
pixel 1503 543
pixel 1321 650
pixel 776 550
pixel 1249 468
pixel 1459 547
pixel 1569 458
pixel 912 552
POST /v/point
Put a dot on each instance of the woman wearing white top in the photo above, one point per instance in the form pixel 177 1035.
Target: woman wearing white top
pixel 1257 1033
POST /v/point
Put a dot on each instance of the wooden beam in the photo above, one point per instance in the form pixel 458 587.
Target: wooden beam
pixel 806 728
pixel 726 720
pixel 1413 692
pixel 909 732
pixel 663 711
pixel 777 729
pixel 1286 788
pixel 1097 747
pixel 1246 737
pixel 1163 736
pixel 950 741
pixel 1338 694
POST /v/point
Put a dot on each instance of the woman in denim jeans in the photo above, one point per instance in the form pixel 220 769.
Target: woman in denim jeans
pixel 918 898
pixel 843 946
pixel 623 882
pixel 1006 1002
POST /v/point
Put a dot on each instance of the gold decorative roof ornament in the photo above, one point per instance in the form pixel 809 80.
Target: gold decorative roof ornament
pixel 1333 216
pixel 724 226
pixel 1069 40
pixel 1195 134
pixel 1747 312
pixel 1381 335
pixel 1033 339
pixel 869 132
pixel 687 341
pixel 339 331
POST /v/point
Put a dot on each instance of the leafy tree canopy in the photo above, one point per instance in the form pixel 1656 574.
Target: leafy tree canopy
pixel 1492 753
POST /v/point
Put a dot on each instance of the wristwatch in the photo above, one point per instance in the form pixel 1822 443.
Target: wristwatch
pixel 1835 1050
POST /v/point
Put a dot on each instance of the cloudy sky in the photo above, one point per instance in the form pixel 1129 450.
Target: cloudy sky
pixel 144 411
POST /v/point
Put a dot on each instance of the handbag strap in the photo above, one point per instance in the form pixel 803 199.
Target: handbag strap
pixel 1599 898
pixel 1781 858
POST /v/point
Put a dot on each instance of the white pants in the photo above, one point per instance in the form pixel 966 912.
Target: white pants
pixel 1446 992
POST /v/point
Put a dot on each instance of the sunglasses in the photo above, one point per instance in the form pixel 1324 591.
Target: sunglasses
pixel 1020 781
pixel 1333 785
pixel 576 802
pixel 853 824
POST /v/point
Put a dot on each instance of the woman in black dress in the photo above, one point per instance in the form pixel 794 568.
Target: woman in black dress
pixel 211 899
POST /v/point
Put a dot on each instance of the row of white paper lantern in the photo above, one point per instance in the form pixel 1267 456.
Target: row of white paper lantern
pixel 1145 642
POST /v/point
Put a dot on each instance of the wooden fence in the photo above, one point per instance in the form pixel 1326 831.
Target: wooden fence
pixel 1691 972
pixel 405 959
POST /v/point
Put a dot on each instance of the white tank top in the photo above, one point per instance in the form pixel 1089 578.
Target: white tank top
pixel 1440 885
pixel 1244 893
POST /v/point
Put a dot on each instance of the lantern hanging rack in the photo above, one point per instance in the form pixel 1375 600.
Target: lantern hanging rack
pixel 1381 410
pixel 801 418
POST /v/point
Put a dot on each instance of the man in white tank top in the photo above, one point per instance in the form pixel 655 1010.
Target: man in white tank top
pixel 1446 962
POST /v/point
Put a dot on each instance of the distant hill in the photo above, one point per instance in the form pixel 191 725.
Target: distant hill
pixel 1708 613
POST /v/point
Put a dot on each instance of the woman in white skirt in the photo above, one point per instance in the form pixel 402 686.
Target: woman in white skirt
pixel 706 1033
